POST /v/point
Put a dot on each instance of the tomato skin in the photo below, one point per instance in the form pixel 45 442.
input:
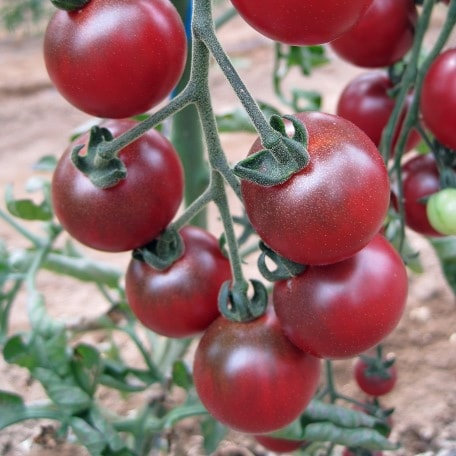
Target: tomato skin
pixel 438 98
pixel 374 385
pixel 333 207
pixel 366 103
pixel 250 377
pixel 180 301
pixel 341 310
pixel 116 58
pixel 382 36
pixel 420 179
pixel 133 212
pixel 441 211
pixel 278 445
pixel 301 22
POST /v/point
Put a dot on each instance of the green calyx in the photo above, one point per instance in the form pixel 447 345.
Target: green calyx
pixel 377 367
pixel 104 169
pixel 70 5
pixel 281 159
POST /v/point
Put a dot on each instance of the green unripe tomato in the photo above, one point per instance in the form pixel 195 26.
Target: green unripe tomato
pixel 441 211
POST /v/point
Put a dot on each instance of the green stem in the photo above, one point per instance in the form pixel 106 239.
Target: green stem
pixel 225 17
pixel 20 229
pixel 330 381
pixel 5 311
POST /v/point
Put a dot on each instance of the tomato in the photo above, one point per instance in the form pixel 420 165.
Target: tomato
pixel 131 213
pixel 302 22
pixel 180 301
pixel 278 445
pixel 438 98
pixel 332 208
pixel 374 384
pixel 382 37
pixel 343 309
pixel 420 179
pixel 251 377
pixel 116 58
pixel 366 103
pixel 441 211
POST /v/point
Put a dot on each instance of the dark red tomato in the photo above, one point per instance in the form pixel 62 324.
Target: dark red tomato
pixel 133 212
pixel 331 209
pixel 366 103
pixel 420 179
pixel 180 301
pixel 302 22
pixel 382 37
pixel 347 452
pixel 116 58
pixel 278 445
pixel 251 377
pixel 374 385
pixel 438 98
pixel 343 309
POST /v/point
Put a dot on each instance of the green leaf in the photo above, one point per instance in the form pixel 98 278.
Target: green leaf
pixel 115 443
pixel 213 433
pixel 181 375
pixel 86 366
pixel 306 100
pixel 16 351
pixel 27 209
pixel 40 320
pixel 46 163
pixel 445 248
pixel 91 438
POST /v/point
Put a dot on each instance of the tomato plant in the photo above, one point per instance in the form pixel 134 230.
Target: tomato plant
pixel 438 99
pixel 250 377
pixel 372 382
pixel 382 36
pixel 116 58
pixel 187 290
pixel 322 214
pixel 134 211
pixel 343 309
pixel 421 179
pixel 297 22
pixel 441 211
pixel 365 102
pixel 278 445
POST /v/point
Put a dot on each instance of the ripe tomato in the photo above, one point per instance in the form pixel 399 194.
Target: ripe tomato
pixel 438 98
pixel 343 309
pixel 302 22
pixel 180 301
pixel 366 103
pixel 374 385
pixel 332 208
pixel 251 377
pixel 420 179
pixel 278 445
pixel 133 212
pixel 116 58
pixel 441 211
pixel 382 36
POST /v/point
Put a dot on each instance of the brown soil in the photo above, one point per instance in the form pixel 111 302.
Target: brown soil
pixel 35 121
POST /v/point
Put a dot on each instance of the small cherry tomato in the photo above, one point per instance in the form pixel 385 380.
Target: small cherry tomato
pixel 250 377
pixel 341 310
pixel 131 213
pixel 180 301
pixel 441 211
pixel 278 445
pixel 382 36
pixel 374 384
pixel 438 98
pixel 116 58
pixel 333 207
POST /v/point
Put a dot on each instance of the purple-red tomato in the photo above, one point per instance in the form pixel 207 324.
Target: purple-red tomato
pixel 438 98
pixel 278 445
pixel 382 36
pixel 420 179
pixel 250 377
pixel 341 310
pixel 302 22
pixel 374 384
pixel 366 103
pixel 131 213
pixel 332 208
pixel 116 58
pixel 180 301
